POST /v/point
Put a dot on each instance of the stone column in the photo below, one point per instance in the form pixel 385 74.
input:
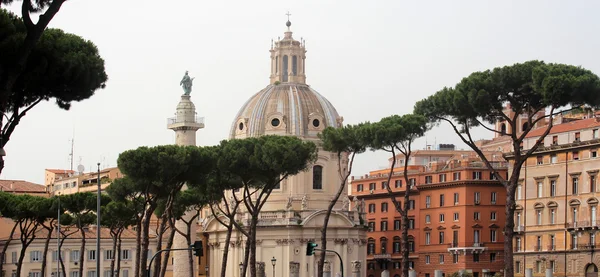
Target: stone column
pixel 327 269
pixel 549 272
pixel 294 269
pixel 356 268
pixel 260 269
pixel 529 272
pixel 185 125
pixel 437 273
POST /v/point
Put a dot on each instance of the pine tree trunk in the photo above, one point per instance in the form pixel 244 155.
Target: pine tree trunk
pixel 138 247
pixel 159 238
pixel 405 244
pixel 254 222
pixel 45 253
pixel 5 247
pixel 119 242
pixel 82 251
pixel 188 237
pixel 226 248
pixel 165 261
pixel 26 239
pixel 114 249
pixel 246 256
pixel 146 240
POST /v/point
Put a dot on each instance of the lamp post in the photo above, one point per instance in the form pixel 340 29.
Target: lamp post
pixel 98 225
pixel 273 262
pixel 58 237
pixel 206 270
pixel 241 268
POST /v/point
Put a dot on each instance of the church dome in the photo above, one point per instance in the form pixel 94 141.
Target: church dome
pixel 287 106
pixel 285 109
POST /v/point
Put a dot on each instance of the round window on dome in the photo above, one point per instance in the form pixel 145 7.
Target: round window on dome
pixel 316 123
pixel 241 126
pixel 275 122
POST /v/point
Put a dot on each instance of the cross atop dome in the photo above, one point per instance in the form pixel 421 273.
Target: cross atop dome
pixel 288 58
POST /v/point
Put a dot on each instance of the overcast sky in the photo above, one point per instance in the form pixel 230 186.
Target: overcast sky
pixel 369 58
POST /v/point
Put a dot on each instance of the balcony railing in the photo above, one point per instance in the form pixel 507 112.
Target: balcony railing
pixel 519 228
pixel 196 119
pixel 465 244
pixel 586 246
pixel 582 224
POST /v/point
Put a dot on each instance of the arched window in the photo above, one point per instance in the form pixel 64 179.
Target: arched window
pixel 396 245
pixel 503 129
pixel 317 177
pixel 383 242
pixel 371 246
pixel 285 68
pixel 525 126
pixel 294 65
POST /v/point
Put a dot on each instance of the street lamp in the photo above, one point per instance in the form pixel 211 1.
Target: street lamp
pixel 97 225
pixel 206 270
pixel 273 262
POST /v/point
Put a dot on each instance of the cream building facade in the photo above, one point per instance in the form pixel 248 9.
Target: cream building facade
pixel 295 211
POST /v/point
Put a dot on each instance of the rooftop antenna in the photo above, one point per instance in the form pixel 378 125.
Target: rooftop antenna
pixel 72 148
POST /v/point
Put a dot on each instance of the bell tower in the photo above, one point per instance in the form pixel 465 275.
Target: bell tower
pixel 288 58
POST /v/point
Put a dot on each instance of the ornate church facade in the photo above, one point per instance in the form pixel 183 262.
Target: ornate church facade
pixel 295 211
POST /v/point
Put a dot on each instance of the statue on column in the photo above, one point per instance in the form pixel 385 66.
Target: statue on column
pixel 186 83
pixel 345 203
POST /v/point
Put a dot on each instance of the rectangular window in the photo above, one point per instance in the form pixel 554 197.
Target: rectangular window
pixel 371 186
pixel 74 274
pixel 595 134
pixel 494 197
pixel 108 255
pixel 398 183
pixel 91 273
pixel 477 198
pixel 455 216
pixel 456 176
pixel 441 217
pixel 384 185
pixel 552 216
pixel 553 266
pixel 91 255
pixel 384 207
pixel 519 192
pixel 552 188
pixel 493 216
pixel 125 254
pixel 427 238
pixel 36 256
pixel 477 175
pixel 518 267
pixel 384 225
pixel 427 201
pixel 74 255
pixel 442 178
pixel 455 258
pixel 540 187
pixel 577 136
pixel 411 204
pixel 55 255
pixel 492 257
pixel 396 224
pixel 592 183
pixel 441 258
pixel 476 216
pixel 538 266
pixel 35 274
pixel 456 198
pixel 553 158
pixel 538 217
pixel 554 140
pixel 575 155
pixel 14 257
pixel 428 179
pixel 540 160
pixel 427 219
pixel 476 257
pixel 107 273
pixel 493 235
pixel 411 224
pixel 441 237
pixel 575 185
pixel 593 154
pixel 359 187
pixel 441 200
pixel 427 259
pixel 396 247
pixel 371 226
pixel 412 182
pixel 371 208
pixel 493 176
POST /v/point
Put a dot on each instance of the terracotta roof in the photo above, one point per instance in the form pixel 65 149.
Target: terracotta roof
pixel 566 127
pixel 21 186
pixel 7 224
pixel 60 171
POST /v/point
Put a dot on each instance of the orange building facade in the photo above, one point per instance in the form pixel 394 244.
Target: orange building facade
pixel 456 216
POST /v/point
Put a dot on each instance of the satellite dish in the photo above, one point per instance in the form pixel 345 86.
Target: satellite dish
pixel 80 168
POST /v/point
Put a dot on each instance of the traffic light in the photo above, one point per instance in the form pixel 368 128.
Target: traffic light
pixel 198 248
pixel 310 248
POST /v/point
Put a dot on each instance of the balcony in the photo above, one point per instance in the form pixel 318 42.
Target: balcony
pixel 582 224
pixel 587 246
pixel 466 247
pixel 519 228
pixel 191 121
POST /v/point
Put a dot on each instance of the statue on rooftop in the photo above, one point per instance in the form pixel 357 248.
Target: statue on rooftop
pixel 186 82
